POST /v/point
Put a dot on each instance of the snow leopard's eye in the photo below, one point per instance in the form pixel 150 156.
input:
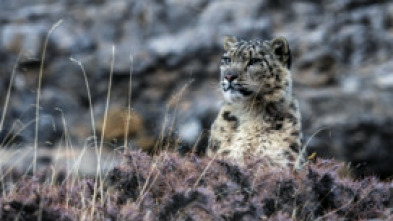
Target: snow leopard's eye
pixel 254 61
pixel 225 60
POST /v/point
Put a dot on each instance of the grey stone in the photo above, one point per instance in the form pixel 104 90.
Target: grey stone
pixel 190 131
pixel 384 81
pixel 69 39
pixel 23 38
pixel 38 12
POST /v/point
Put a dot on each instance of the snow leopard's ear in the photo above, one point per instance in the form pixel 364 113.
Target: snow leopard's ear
pixel 279 46
pixel 229 41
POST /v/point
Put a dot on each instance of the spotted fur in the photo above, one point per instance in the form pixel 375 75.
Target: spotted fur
pixel 260 116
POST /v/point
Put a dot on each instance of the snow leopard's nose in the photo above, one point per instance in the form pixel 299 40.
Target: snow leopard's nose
pixel 231 75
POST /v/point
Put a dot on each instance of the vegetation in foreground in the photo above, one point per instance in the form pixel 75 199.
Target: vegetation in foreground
pixel 174 187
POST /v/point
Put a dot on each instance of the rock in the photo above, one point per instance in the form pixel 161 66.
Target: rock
pixel 351 84
pixel 190 130
pixel 116 125
pixel 352 4
pixel 68 78
pixel 364 142
pixel 123 51
pixel 55 107
pixel 23 38
pixel 184 48
pixel 384 81
pixel 317 68
pixel 39 12
pixel 69 39
pixel 10 138
pixel 27 63
pixel 121 124
pixel 50 129
pixel 361 35
pixel 220 13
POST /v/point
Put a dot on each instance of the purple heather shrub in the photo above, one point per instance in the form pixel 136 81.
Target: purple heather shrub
pixel 173 187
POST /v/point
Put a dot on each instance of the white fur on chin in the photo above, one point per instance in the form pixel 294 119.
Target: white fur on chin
pixel 233 96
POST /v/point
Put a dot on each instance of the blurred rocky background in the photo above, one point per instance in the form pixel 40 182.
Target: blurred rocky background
pixel 342 70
